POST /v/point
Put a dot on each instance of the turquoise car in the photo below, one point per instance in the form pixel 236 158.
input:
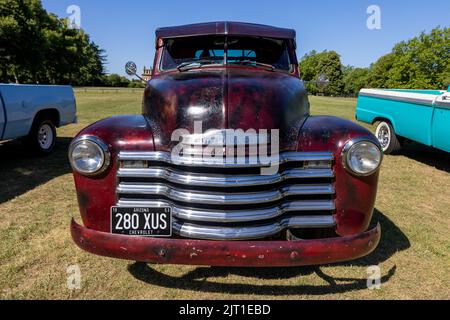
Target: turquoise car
pixel 418 115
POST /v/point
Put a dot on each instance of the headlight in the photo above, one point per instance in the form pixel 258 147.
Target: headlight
pixel 89 155
pixel 362 157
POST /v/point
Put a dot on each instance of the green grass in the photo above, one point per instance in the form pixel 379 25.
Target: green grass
pixel 37 201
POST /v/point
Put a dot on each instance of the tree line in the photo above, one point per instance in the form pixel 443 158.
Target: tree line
pixel 420 63
pixel 38 47
pixel 115 80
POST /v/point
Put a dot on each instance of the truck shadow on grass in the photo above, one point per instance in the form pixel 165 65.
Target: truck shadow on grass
pixel 20 171
pixel 427 155
pixel 393 241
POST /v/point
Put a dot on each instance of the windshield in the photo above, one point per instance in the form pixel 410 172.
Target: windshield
pixel 198 51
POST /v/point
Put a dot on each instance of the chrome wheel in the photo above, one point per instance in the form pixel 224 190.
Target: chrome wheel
pixel 45 137
pixel 383 135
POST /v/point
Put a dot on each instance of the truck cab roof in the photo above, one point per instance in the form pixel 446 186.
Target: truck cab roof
pixel 225 28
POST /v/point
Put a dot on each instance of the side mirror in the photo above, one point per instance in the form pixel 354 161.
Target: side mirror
pixel 131 70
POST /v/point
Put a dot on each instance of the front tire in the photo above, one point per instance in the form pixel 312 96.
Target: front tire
pixel 42 137
pixel 389 141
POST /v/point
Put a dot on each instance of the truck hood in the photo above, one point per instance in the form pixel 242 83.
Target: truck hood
pixel 229 98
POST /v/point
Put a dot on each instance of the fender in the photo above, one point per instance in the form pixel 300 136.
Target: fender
pixel 96 194
pixel 355 196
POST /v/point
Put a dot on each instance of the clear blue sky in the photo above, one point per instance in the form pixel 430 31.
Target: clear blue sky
pixel 125 29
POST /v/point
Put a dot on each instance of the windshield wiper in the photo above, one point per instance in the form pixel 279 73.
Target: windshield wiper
pixel 256 64
pixel 185 66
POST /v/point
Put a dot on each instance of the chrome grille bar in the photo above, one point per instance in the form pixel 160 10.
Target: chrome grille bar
pixel 206 204
pixel 248 233
pixel 233 216
pixel 211 180
pixel 201 197
pixel 166 157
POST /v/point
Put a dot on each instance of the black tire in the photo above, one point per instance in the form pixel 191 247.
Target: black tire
pixel 42 137
pixel 387 137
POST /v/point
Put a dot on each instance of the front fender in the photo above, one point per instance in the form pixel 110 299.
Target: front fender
pixel 355 196
pixel 96 194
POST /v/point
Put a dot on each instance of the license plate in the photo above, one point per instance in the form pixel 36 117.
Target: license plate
pixel 140 221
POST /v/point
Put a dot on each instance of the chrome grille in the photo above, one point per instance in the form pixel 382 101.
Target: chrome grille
pixel 217 200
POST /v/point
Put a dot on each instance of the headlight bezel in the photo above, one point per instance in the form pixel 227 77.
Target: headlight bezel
pixel 97 142
pixel 352 144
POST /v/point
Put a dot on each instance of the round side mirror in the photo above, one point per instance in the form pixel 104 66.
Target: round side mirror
pixel 130 68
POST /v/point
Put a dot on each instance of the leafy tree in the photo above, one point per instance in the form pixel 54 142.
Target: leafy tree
pixel 21 24
pixel 444 78
pixel 322 72
pixel 308 65
pixel 136 84
pixel 354 80
pixel 309 71
pixel 420 63
pixel 331 67
pixel 115 80
pixel 37 47
pixel 379 71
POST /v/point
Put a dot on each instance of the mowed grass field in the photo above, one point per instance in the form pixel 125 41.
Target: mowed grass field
pixel 37 201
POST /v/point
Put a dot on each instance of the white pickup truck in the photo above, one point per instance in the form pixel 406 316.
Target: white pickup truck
pixel 33 112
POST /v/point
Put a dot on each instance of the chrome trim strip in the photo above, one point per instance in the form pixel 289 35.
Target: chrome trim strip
pixel 441 105
pixel 218 138
pixel 211 180
pixel 166 157
pixel 443 101
pixel 247 233
pixel 252 150
pixel 409 97
pixel 232 216
pixel 222 198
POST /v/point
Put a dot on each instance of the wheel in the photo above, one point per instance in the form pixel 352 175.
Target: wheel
pixel 42 136
pixel 389 141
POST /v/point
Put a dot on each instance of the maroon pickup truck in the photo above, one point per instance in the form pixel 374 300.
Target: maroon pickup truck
pixel 150 189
